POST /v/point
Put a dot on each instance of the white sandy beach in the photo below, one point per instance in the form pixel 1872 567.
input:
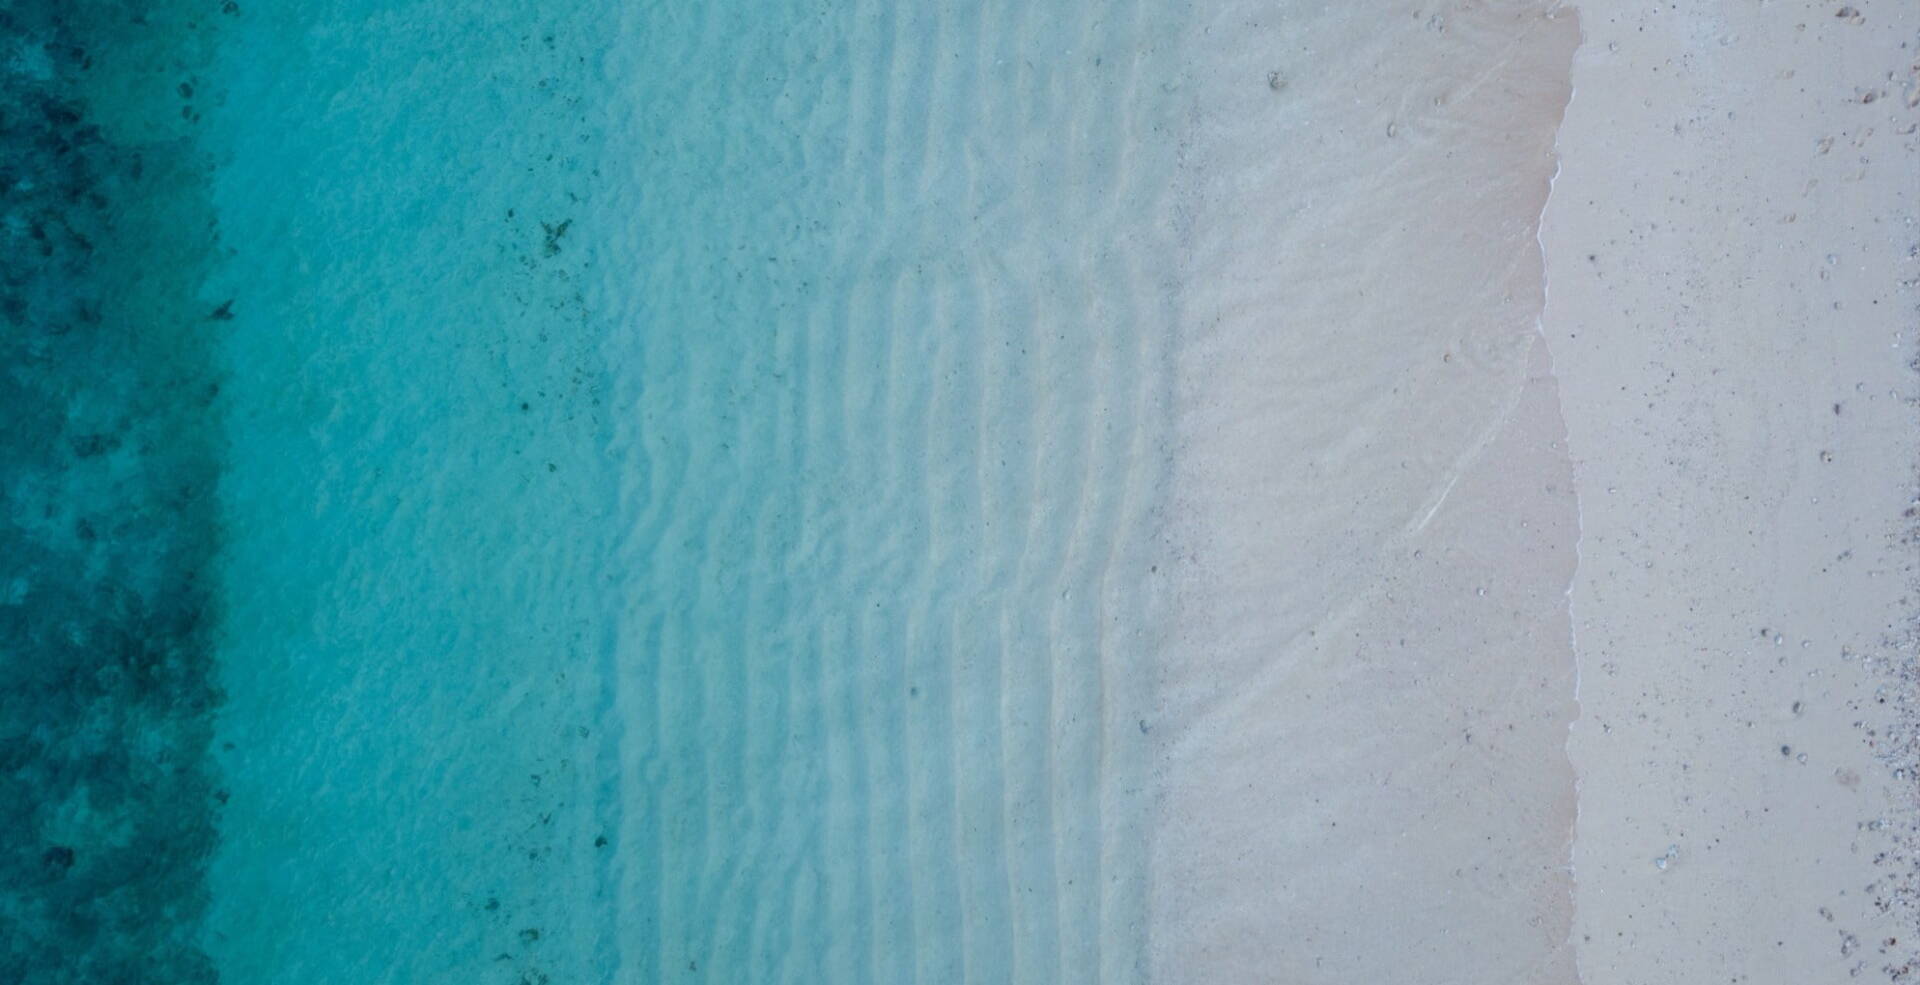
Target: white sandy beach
pixel 1730 254
pixel 964 494
pixel 1391 455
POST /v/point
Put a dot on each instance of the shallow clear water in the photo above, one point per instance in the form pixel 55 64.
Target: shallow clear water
pixel 688 481
pixel 894 378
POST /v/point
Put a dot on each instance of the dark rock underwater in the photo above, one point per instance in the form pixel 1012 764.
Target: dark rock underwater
pixel 109 460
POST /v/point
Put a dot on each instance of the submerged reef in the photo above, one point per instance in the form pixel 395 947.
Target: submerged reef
pixel 108 462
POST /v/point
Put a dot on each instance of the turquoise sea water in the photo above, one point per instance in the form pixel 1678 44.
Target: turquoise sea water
pixel 621 492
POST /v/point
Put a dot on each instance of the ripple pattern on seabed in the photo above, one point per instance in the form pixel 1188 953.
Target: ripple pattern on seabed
pixel 895 396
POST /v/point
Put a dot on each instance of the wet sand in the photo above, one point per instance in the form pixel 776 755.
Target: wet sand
pixel 1361 764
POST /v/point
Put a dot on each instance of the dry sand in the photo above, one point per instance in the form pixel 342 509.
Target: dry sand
pixel 1369 756
pixel 1730 256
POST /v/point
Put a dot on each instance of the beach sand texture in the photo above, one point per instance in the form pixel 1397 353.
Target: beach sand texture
pixel 1013 492
pixel 1360 763
pixel 1731 265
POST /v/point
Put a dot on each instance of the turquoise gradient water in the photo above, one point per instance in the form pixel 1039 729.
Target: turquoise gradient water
pixel 687 487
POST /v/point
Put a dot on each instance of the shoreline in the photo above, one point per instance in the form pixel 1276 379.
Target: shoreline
pixel 1202 496
pixel 1366 701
